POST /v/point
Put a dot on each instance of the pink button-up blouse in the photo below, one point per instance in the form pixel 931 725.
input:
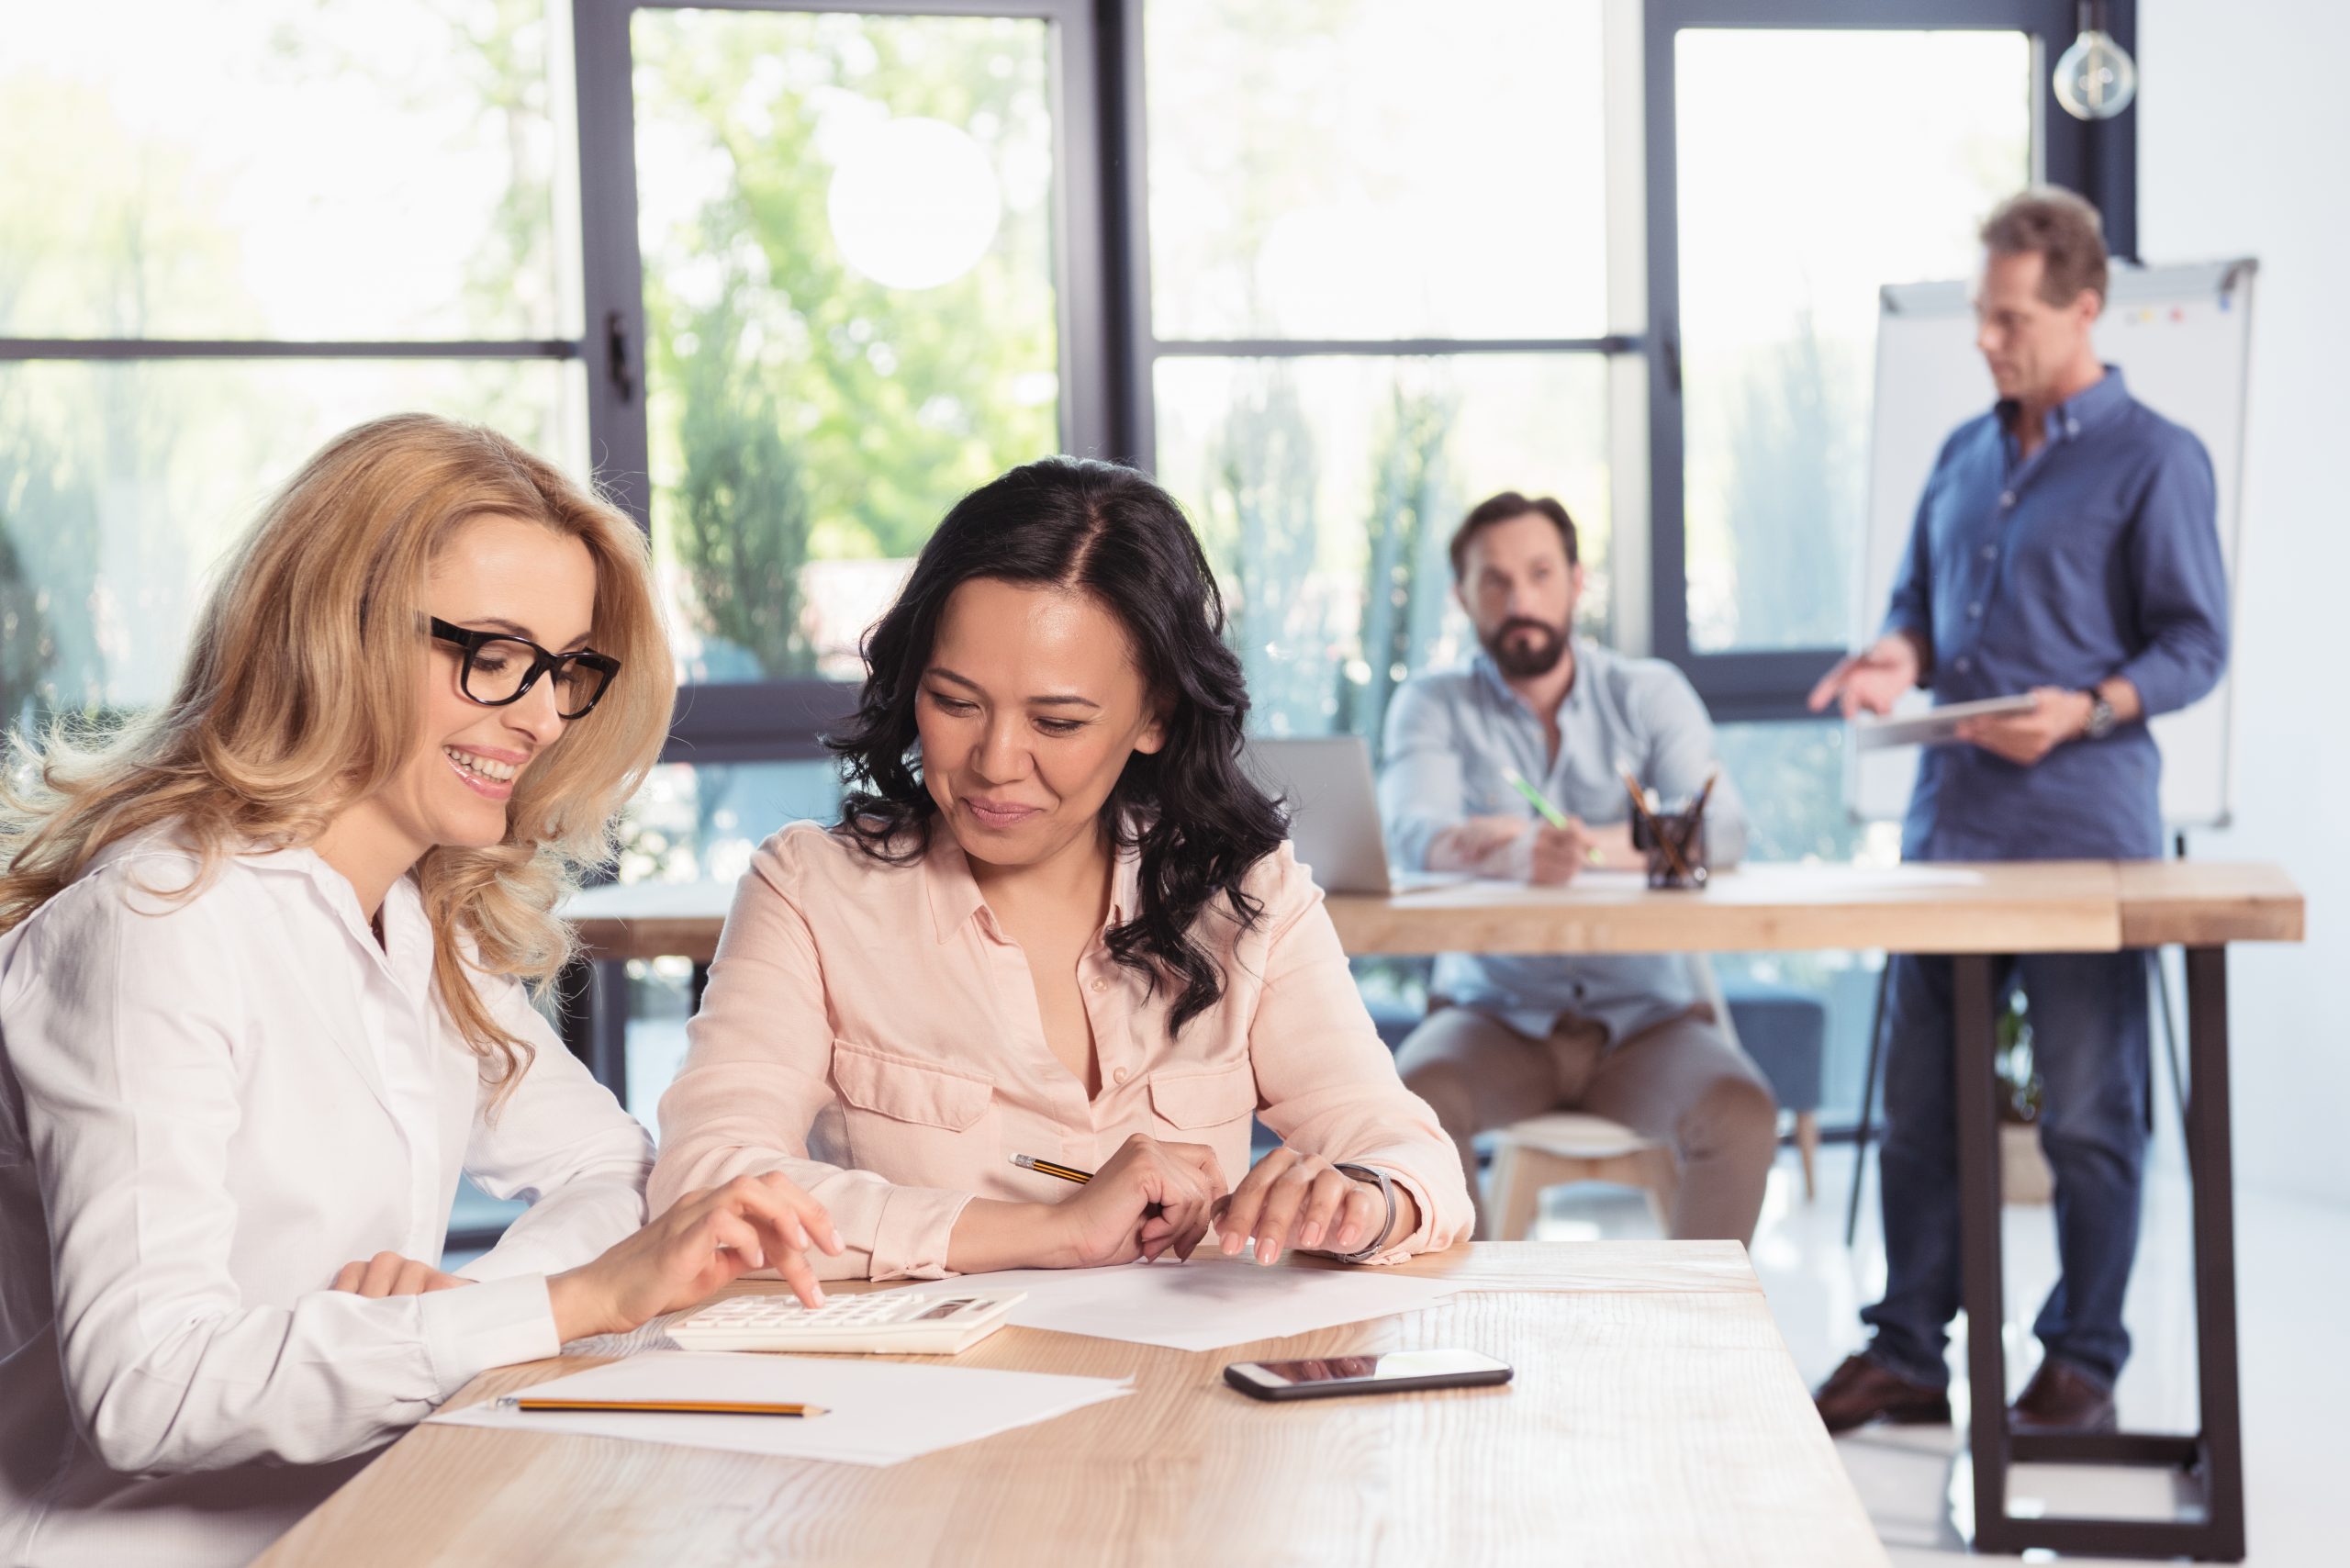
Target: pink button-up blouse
pixel 870 1031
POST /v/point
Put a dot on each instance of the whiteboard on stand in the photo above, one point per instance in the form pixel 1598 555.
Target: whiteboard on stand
pixel 2182 336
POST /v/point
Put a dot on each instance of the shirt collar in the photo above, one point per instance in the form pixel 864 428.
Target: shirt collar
pixel 2076 415
pixel 955 899
pixel 407 947
pixel 954 896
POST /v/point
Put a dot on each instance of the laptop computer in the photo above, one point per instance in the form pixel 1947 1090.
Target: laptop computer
pixel 1333 813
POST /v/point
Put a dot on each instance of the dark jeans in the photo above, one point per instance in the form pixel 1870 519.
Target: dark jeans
pixel 2090 1046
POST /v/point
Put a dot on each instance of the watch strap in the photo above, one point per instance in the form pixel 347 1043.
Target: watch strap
pixel 1370 1175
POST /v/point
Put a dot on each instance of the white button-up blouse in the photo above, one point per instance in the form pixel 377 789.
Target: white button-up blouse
pixel 208 1106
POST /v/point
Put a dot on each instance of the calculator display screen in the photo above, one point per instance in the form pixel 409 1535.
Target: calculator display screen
pixel 945 1309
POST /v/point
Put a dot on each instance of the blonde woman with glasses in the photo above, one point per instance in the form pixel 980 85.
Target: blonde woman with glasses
pixel 263 998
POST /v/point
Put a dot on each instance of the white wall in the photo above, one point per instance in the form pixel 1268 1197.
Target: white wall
pixel 2241 146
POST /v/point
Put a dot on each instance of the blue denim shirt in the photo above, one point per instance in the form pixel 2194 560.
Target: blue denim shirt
pixel 2098 555
pixel 1450 735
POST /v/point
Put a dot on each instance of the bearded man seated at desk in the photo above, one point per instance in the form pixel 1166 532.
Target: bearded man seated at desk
pixel 1628 1038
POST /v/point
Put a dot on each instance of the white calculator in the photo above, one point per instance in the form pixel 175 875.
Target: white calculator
pixel 932 1322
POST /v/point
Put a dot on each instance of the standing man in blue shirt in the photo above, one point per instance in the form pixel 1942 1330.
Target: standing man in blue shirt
pixel 2067 547
pixel 1628 1039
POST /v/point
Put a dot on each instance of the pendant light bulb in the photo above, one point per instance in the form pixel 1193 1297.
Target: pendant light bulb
pixel 2096 79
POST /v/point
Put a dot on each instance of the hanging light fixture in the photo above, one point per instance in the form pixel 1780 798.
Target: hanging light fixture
pixel 2095 78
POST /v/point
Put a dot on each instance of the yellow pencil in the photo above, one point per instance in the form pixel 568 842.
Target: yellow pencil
pixel 1047 1168
pixel 663 1406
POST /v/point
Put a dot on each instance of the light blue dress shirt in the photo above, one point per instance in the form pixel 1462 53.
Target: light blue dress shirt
pixel 1450 735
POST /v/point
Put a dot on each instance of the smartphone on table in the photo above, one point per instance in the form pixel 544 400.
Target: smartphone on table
pixel 1394 1373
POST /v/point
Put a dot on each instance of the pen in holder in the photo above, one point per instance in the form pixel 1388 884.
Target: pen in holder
pixel 1674 841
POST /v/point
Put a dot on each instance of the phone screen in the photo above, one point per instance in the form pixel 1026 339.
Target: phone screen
pixel 1394 1365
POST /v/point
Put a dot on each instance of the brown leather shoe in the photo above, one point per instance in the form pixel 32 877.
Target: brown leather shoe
pixel 2059 1399
pixel 1863 1390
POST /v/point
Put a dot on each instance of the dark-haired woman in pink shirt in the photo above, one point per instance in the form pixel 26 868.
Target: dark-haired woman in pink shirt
pixel 1057 919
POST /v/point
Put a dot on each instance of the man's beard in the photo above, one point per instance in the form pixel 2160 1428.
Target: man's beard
pixel 1524 660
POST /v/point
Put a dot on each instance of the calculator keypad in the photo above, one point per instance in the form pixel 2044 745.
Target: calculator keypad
pixel 882 1320
pixel 842 1312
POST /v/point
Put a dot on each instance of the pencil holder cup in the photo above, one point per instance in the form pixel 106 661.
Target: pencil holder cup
pixel 1674 842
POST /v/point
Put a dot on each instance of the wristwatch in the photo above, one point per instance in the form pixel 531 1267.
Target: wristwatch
pixel 1369 1175
pixel 2101 717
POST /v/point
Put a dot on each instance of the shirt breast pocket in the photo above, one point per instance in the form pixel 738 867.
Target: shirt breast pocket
pixel 906 1120
pixel 1199 1101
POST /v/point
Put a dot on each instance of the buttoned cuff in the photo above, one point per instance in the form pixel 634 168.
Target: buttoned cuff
pixel 474 1328
pixel 513 1259
pixel 917 1224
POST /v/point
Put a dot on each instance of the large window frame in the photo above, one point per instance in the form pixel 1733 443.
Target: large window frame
pixel 1110 350
pixel 1144 348
pixel 121 351
pixel 2098 160
pixel 785 720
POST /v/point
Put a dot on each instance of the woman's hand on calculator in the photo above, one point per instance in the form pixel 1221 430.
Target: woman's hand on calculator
pixel 705 1240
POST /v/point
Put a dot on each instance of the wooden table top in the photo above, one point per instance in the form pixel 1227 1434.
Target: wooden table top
pixel 2017 906
pixel 2202 903
pixel 1656 1418
pixel 2030 906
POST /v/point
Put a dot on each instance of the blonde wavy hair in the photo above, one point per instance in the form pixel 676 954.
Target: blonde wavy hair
pixel 302 693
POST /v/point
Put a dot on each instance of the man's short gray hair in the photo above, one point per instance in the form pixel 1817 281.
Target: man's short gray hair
pixel 2063 229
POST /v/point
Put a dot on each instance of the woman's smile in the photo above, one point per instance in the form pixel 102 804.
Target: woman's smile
pixel 996 815
pixel 485 772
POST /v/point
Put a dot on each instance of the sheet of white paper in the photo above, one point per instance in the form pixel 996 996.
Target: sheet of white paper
pixel 1206 1304
pixel 1601 879
pixel 877 1412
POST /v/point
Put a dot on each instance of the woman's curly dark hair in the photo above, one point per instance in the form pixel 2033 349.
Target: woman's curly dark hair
pixel 1197 818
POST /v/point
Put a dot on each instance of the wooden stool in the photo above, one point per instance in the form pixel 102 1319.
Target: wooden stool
pixel 1568 1146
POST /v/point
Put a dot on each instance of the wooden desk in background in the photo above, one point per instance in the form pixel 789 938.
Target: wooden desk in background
pixel 1972 912
pixel 2047 906
pixel 1656 1418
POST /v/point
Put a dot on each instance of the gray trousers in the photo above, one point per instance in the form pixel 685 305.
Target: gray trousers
pixel 1680 1082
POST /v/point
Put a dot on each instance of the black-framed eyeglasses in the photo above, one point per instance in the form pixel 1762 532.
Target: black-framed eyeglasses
pixel 500 668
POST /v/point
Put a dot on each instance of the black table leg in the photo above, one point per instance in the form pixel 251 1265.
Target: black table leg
pixel 593 999
pixel 575 1006
pixel 1982 1281
pixel 2213 1456
pixel 2210 1162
